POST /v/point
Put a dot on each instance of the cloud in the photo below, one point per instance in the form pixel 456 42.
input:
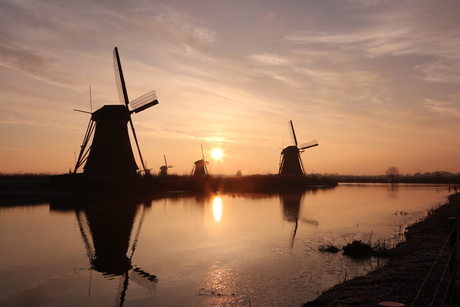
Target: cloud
pixel 443 71
pixel 269 59
pixel 33 63
pixel 442 108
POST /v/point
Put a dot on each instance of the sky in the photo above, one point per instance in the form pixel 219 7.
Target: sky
pixel 376 83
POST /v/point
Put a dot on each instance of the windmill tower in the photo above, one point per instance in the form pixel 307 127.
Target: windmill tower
pixel 164 168
pixel 110 153
pixel 200 168
pixel 291 163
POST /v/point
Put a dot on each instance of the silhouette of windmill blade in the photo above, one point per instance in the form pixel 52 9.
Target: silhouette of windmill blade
pixel 123 96
pixel 84 149
pixel 144 102
pixel 119 78
pixel 309 144
pixel 202 153
pixel 294 138
pixel 166 163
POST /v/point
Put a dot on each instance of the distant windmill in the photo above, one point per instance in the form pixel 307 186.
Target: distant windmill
pixel 110 152
pixel 164 168
pixel 291 163
pixel 200 168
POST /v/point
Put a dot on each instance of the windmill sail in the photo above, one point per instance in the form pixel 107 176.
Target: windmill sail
pixel 293 132
pixel 308 144
pixel 119 78
pixel 142 102
pixel 145 101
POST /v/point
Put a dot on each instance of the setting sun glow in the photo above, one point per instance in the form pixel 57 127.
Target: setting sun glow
pixel 217 153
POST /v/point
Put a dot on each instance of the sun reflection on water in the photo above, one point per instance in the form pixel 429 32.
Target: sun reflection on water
pixel 221 289
pixel 217 209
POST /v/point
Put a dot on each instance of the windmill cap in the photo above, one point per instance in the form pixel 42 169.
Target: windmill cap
pixel 111 112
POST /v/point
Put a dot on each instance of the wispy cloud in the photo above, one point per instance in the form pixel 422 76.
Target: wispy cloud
pixel 442 107
pixel 269 59
pixel 443 71
pixel 31 62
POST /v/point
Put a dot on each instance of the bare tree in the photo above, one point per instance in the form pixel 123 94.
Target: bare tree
pixel 392 172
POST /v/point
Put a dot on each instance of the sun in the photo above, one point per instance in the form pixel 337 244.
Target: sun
pixel 217 153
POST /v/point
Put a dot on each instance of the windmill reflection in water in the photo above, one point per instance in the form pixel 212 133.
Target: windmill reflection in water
pixel 291 212
pixel 110 230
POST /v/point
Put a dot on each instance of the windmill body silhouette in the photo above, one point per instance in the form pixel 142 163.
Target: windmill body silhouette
pixel 200 169
pixel 164 169
pixel 110 152
pixel 291 163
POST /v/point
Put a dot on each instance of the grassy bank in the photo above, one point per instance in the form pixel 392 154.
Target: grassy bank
pixel 20 186
pixel 23 185
pixel 413 276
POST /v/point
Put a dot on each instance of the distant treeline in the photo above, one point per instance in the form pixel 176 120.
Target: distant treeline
pixel 434 177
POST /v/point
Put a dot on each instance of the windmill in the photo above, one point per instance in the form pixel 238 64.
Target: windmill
pixel 110 152
pixel 291 163
pixel 200 169
pixel 164 168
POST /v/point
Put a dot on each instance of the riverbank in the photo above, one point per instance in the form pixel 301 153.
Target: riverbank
pixel 43 187
pixel 413 276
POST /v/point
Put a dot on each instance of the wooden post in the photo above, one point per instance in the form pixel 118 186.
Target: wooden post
pixel 453 230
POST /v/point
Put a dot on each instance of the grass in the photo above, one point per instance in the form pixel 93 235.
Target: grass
pixel 359 249
pixel 23 176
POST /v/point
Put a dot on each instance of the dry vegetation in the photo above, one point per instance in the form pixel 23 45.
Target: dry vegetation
pixel 422 256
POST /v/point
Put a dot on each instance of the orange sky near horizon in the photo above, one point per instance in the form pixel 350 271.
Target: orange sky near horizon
pixel 375 82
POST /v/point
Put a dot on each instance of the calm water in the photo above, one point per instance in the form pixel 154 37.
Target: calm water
pixel 225 250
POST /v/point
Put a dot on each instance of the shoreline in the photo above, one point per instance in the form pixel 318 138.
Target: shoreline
pixel 402 278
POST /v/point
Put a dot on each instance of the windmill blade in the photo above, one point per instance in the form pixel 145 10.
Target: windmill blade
pixel 202 152
pixel 84 150
pixel 119 79
pixel 309 144
pixel 137 143
pixel 123 96
pixel 166 163
pixel 76 110
pixel 144 102
pixel 293 132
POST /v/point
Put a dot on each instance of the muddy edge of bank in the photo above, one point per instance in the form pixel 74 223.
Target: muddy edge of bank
pixel 402 280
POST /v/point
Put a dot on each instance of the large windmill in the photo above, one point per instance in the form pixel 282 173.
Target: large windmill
pixel 200 169
pixel 291 163
pixel 110 152
pixel 164 168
